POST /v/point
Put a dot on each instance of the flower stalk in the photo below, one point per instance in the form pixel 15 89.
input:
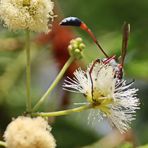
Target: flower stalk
pixel 53 85
pixel 63 112
pixel 3 144
pixel 28 71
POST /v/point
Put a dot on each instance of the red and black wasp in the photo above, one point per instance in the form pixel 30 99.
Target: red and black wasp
pixel 111 60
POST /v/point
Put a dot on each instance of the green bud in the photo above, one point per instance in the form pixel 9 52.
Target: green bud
pixel 70 47
pixel 81 46
pixel 72 41
pixel 76 48
pixel 79 40
pixel 75 45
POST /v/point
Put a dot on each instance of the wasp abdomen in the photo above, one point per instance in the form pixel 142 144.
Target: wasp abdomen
pixel 71 21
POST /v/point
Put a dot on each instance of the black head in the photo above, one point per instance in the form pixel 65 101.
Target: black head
pixel 71 21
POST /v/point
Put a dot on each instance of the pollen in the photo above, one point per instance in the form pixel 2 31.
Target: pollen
pixel 33 15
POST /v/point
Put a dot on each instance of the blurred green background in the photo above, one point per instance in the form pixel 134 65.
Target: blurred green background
pixel 105 19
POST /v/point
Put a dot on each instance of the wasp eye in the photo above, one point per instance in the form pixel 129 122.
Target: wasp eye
pixel 71 21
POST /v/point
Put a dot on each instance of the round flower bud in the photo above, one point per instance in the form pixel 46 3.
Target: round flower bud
pixel 76 48
pixel 79 40
pixel 81 46
pixel 25 132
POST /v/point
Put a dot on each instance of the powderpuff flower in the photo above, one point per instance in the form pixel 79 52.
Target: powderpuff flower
pixel 26 14
pixel 113 98
pixel 25 132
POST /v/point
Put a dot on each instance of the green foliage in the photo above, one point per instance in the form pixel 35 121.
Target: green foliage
pixel 125 145
pixel 70 135
pixel 144 146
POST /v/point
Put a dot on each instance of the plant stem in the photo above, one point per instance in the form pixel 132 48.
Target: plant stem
pixel 28 71
pixel 3 144
pixel 55 82
pixel 63 112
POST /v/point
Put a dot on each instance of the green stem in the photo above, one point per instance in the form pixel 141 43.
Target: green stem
pixel 3 144
pixel 63 112
pixel 58 78
pixel 28 71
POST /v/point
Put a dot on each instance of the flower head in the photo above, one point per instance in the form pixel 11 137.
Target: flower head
pixel 113 98
pixel 25 132
pixel 26 14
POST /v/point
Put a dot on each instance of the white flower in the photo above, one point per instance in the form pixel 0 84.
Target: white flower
pixel 26 14
pixel 113 98
pixel 25 132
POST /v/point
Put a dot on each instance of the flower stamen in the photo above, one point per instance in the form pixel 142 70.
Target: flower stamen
pixel 114 99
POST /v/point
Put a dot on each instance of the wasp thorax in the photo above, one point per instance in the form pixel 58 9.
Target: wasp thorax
pixel 117 68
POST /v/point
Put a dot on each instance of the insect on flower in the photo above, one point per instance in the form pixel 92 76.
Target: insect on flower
pixel 111 60
pixel 113 100
pixel 102 83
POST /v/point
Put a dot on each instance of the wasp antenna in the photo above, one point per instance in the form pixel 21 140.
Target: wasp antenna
pixel 125 37
pixel 74 21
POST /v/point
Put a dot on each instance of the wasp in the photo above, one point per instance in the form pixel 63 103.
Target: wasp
pixel 110 60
